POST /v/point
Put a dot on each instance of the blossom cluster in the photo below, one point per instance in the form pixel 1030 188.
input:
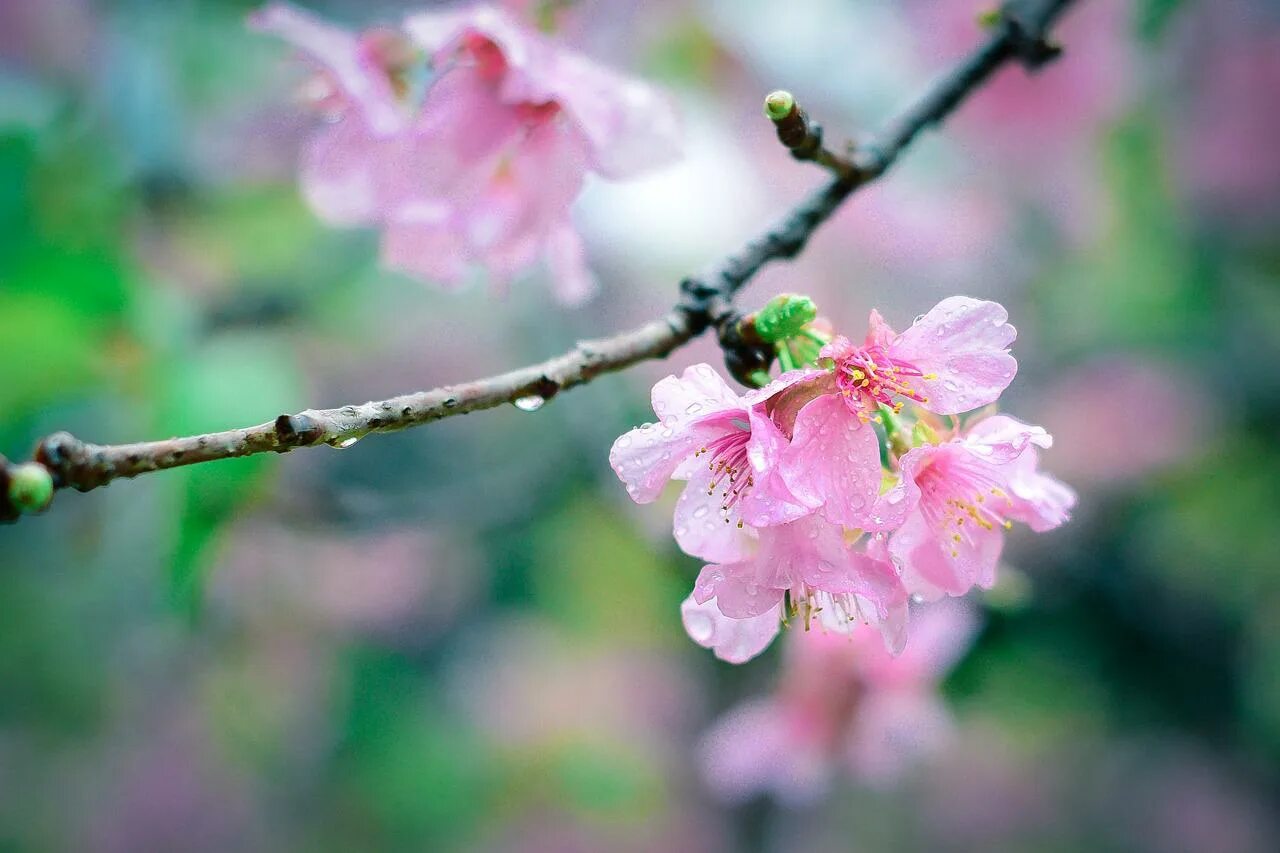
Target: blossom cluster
pixel 465 136
pixel 841 490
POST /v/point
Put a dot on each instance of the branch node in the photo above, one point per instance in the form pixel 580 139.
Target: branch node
pixel 296 431
pixel 1025 25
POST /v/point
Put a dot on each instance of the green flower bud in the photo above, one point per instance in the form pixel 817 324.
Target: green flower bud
pixel 30 487
pixel 778 105
pixel 989 18
pixel 784 316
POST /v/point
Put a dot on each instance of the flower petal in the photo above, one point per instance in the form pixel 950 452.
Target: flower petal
pixel 930 569
pixel 833 462
pixel 965 342
pixel 1040 500
pixel 628 125
pixel 732 640
pixel 1000 438
pixel 340 53
pixel 571 279
pixel 702 530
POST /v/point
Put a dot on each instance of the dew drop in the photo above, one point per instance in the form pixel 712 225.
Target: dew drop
pixel 530 403
pixel 693 409
pixel 343 443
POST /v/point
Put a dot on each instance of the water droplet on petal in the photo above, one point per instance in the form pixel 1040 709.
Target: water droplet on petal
pixel 530 403
pixel 693 409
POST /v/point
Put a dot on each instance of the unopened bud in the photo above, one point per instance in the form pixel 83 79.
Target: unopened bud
pixel 988 18
pixel 778 105
pixel 784 316
pixel 30 487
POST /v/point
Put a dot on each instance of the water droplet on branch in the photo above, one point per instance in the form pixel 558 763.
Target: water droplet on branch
pixel 530 403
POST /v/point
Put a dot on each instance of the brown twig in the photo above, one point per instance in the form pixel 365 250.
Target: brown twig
pixel 706 301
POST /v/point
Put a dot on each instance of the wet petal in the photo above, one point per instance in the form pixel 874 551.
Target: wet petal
pixel 833 462
pixel 732 640
pixel 965 342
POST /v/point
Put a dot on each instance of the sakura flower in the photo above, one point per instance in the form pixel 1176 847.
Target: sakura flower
pixel 764 458
pixel 953 359
pixel 803 569
pixel 843 702
pixel 480 167
pixel 965 493
pixel 725 445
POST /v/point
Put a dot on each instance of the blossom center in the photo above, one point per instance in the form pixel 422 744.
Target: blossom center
pixel 874 378
pixel 730 467
pixel 960 501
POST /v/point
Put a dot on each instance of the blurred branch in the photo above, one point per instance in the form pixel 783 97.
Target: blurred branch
pixel 705 302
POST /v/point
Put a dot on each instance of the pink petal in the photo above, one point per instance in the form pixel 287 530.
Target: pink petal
pixel 701 529
pixel 782 384
pixel 738 589
pixel 628 126
pixel 566 260
pixel 965 342
pixel 894 730
pixel 837 348
pixel 1000 438
pixel 940 635
pixel 879 333
pixel 768 501
pixel 1040 500
pixel 339 52
pixel 833 462
pixel 696 394
pixel 879 589
pixel 646 457
pixel 423 241
pixel 810 550
pixel 732 640
pixel 340 176
pixel 747 751
pixel 929 569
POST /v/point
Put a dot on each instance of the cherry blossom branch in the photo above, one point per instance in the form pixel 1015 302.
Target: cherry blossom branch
pixel 64 461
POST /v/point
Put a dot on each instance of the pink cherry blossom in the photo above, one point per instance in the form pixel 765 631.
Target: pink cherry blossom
pixel 727 447
pixel 481 168
pixel 843 701
pixel 953 359
pixel 803 569
pixel 965 493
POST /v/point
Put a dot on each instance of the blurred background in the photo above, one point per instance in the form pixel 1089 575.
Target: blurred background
pixel 465 636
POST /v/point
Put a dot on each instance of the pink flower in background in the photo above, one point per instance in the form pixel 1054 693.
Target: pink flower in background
pixel 808 563
pixel 843 701
pixel 481 169
pixel 953 359
pixel 966 492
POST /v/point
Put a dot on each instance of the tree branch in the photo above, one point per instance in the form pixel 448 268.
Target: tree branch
pixel 705 302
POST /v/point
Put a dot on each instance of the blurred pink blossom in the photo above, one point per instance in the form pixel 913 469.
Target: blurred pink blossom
pixel 366 582
pixel 1228 147
pixel 843 701
pixel 1168 418
pixel 482 168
